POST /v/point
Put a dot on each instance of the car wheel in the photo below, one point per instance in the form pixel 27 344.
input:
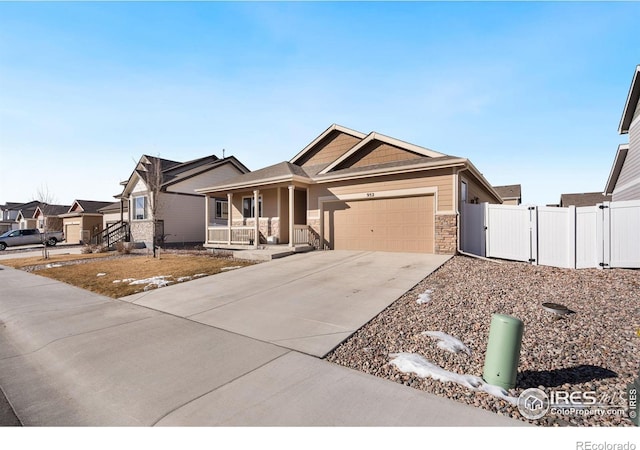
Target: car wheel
pixel 2 246
pixel 52 242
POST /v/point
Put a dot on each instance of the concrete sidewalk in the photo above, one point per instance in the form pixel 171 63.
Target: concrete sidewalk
pixel 70 357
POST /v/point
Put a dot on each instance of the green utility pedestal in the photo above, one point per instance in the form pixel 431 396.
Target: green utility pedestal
pixel 503 351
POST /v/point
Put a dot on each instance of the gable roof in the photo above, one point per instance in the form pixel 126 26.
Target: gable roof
pixel 373 136
pixel 618 162
pixel 50 210
pixel 324 134
pixel 583 199
pixel 174 172
pixel 89 206
pixel 509 192
pixel 10 206
pixel 631 104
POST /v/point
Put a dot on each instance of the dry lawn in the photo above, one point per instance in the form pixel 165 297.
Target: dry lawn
pixel 21 263
pixel 176 268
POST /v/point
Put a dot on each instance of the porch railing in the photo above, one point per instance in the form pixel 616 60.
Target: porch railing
pixel 239 235
pixel 301 234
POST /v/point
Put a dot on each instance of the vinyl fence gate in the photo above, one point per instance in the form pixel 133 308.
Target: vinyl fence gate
pixel 605 235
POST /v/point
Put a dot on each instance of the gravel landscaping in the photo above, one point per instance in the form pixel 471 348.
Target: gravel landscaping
pixel 594 348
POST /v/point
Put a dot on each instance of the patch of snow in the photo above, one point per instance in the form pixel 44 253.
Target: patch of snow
pixel 117 281
pixel 181 279
pixel 157 281
pixel 101 274
pixel 414 363
pixel 198 275
pixel 231 268
pixel 128 280
pixel 51 266
pixel 448 343
pixel 425 297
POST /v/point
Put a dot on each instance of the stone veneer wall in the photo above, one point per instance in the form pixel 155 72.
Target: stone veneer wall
pixel 142 231
pixel 315 231
pixel 446 234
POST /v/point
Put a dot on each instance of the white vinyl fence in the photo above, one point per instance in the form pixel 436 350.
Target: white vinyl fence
pixel 605 235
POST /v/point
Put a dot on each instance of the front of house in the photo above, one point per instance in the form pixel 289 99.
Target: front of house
pixel 178 213
pixel 348 190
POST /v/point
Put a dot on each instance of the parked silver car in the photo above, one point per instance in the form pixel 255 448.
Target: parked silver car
pixel 29 236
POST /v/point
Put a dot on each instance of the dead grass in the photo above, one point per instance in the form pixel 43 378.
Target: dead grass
pixel 85 275
pixel 21 263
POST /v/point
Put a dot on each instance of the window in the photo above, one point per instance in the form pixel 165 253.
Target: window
pixel 463 193
pixel 248 207
pixel 140 208
pixel 222 209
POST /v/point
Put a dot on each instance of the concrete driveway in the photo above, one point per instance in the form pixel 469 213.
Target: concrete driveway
pixel 73 358
pixel 306 302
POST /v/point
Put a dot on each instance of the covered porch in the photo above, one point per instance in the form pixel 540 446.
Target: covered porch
pixel 263 216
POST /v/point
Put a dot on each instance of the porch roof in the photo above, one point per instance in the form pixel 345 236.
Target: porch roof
pixel 277 173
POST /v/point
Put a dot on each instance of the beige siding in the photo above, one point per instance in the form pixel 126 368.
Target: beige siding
pixel 300 207
pixel 329 149
pixel 110 218
pixel 377 153
pixel 441 179
pixel 210 178
pixel 183 217
pixel 269 202
pixel 476 192
pixel 630 173
pixel 510 202
pixel 139 187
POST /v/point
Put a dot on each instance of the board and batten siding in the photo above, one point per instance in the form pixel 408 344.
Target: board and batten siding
pixel 628 185
pixel 441 179
pixel 330 148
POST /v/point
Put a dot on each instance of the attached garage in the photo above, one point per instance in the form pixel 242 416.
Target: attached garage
pixel 404 224
pixel 72 232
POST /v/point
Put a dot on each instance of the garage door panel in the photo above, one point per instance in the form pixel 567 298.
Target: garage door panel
pixel 393 224
pixel 72 233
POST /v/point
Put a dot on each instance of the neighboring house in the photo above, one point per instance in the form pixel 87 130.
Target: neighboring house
pixel 8 215
pixel 180 211
pixel 350 190
pixel 48 217
pixel 82 221
pixel 114 213
pixel 511 194
pixel 25 218
pixel 624 178
pixel 584 199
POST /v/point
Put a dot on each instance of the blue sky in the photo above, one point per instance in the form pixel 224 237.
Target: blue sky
pixel 531 93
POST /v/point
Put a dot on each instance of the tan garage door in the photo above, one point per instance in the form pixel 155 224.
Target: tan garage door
pixel 391 225
pixel 72 233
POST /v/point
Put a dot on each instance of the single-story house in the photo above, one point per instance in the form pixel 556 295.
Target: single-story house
pixel 24 217
pixel 511 194
pixel 82 221
pixel 179 212
pixel 350 190
pixel 583 199
pixel 624 178
pixel 48 217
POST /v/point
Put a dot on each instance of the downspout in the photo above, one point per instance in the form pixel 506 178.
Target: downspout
pixel 456 196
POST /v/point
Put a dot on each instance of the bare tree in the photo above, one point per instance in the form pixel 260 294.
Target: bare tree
pixel 154 180
pixel 44 195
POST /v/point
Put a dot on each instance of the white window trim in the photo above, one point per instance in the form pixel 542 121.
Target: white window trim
pixel 223 215
pixel 260 207
pixel 145 207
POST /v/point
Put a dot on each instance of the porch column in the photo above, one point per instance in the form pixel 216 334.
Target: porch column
pixel 256 214
pixel 207 199
pixel 292 192
pixel 229 216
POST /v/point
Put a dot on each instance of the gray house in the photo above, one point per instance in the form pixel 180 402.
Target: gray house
pixel 624 178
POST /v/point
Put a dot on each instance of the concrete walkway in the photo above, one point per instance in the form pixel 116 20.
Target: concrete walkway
pixel 71 357
pixel 308 302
